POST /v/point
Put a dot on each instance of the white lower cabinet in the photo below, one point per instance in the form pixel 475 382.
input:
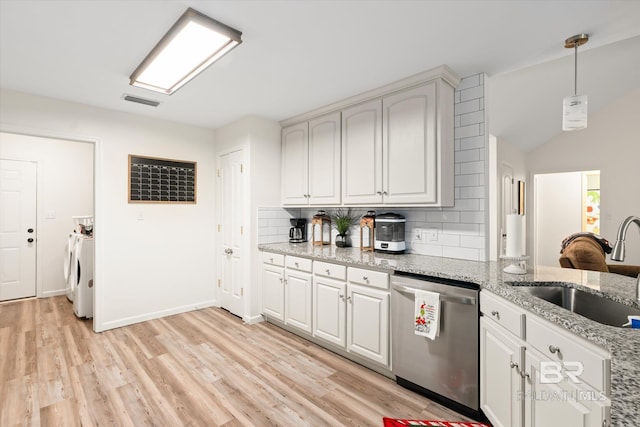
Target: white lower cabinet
pixel 350 314
pixel 539 374
pixel 287 290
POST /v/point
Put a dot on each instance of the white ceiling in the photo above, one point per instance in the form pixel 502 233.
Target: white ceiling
pixel 300 55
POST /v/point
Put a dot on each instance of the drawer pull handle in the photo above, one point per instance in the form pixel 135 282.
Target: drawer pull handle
pixel 297 265
pixel 496 314
pixel 524 375
pixel 515 366
pixel 349 299
pixel 328 272
pixel 553 349
pixel 365 278
pixel 341 297
pixel 271 260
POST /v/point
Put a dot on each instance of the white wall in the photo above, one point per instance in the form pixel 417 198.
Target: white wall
pixel 558 214
pixel 261 140
pixel 149 267
pixel 611 144
pixel 64 188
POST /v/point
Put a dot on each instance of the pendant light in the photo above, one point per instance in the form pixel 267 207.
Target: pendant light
pixel 574 108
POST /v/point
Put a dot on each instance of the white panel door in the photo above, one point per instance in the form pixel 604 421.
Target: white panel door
pixel 231 188
pixel 409 147
pixel 17 229
pixel 324 160
pixel 362 153
pixel 329 311
pixel 295 164
pixel 298 293
pixel 368 323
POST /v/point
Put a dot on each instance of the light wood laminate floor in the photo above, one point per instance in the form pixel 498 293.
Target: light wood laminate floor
pixel 202 368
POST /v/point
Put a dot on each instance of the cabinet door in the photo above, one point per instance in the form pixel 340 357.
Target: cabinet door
pixel 324 160
pixel 298 299
pixel 559 401
pixel 501 386
pixel 409 147
pixel 362 153
pixel 295 164
pixel 368 323
pixel 273 291
pixel 329 313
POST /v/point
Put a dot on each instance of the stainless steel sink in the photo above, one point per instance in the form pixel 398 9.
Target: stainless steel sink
pixel 591 306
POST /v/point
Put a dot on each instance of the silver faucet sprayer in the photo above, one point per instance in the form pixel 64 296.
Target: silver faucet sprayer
pixel 618 252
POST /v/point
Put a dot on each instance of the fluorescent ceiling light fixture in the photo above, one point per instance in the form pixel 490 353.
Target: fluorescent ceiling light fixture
pixel 193 43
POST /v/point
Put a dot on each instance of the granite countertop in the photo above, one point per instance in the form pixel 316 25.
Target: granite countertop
pixel 622 343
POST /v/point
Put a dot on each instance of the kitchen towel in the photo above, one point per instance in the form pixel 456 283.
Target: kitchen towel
pixel 427 314
pixel 515 236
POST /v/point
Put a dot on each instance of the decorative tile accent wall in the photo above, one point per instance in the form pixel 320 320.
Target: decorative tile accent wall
pixel 459 231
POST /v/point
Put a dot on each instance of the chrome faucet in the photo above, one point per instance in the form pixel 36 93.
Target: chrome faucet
pixel 618 252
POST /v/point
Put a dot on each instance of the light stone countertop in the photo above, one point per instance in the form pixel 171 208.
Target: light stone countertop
pixel 622 343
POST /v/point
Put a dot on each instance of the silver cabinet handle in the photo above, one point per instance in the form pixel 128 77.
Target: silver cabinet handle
pixel 384 193
pixel 365 278
pixel 271 260
pixel 328 272
pixel 553 349
pixel 341 297
pixel 496 314
pixel 524 375
pixel 349 299
pixel 379 193
pixel 281 280
pixel 515 366
pixel 229 251
pixel 297 265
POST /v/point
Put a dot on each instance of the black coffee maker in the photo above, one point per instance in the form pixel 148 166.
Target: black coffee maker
pixel 298 233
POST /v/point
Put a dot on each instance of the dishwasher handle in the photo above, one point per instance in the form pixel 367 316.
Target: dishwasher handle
pixel 446 298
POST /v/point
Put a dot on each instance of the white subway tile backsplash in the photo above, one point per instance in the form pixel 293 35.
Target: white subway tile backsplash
pixel 471 254
pixel 462 229
pixel 443 216
pixel 465 204
pixel 472 167
pixel 469 82
pixel 467 131
pixel 476 117
pixel 471 143
pixel 467 156
pixel 476 92
pixel 472 217
pixel 467 107
pixel 469 180
pixel 472 242
pixel 472 192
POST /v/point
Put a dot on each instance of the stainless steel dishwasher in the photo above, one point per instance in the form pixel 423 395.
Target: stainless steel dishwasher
pixel 445 369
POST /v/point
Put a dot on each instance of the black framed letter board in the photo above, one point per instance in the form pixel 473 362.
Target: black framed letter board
pixel 154 180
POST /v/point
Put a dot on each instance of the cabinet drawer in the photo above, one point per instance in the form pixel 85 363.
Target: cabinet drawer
pixel 375 279
pixel 297 263
pixel 562 346
pixel 273 259
pixel 503 313
pixel 335 271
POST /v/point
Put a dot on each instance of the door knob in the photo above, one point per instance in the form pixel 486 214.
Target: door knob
pixel 30 230
pixel 30 240
pixel 228 251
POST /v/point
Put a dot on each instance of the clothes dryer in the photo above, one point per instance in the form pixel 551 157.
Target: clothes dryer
pixel 83 277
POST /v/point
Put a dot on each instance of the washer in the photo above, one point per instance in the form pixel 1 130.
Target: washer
pixel 83 277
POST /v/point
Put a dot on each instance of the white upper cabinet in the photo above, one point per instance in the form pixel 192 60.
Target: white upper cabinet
pixel 311 162
pixel 324 160
pixel 362 153
pixel 295 164
pixel 394 146
pixel 409 172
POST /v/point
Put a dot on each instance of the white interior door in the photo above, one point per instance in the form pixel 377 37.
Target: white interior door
pixel 231 229
pixel 17 229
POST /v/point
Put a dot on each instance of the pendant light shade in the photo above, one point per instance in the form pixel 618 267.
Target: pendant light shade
pixel 574 107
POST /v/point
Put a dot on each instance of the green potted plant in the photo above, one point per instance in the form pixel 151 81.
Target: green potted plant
pixel 343 220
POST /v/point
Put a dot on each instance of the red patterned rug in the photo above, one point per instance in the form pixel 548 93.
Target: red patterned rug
pixel 392 422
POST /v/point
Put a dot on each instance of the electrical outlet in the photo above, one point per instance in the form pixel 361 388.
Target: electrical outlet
pixel 432 235
pixel 417 234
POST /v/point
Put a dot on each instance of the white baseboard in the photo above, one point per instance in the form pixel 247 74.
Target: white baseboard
pixel 250 320
pixel 47 294
pixel 112 324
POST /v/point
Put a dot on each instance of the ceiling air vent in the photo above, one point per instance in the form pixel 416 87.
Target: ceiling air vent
pixel 139 100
